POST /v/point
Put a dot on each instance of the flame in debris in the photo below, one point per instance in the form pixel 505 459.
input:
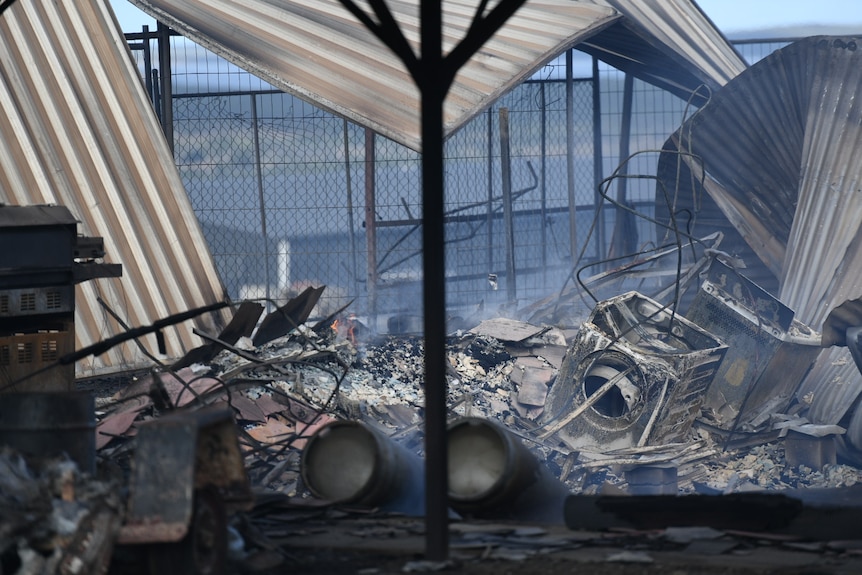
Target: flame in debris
pixel 346 328
pixel 351 328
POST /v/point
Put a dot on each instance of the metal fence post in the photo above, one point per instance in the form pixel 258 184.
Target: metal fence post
pixel 167 111
pixel 598 158
pixel 505 164
pixel 260 195
pixel 371 224
pixel 570 159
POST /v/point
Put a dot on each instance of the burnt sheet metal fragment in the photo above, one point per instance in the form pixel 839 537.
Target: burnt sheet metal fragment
pixel 635 375
pixel 288 317
pixel 820 514
pixel 241 325
pixel 771 162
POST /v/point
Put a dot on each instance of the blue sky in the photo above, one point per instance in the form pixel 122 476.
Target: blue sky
pixel 734 16
pixel 731 16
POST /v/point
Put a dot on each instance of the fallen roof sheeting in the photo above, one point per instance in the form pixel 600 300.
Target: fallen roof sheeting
pixel 671 44
pixel 780 145
pixel 317 50
pixel 77 130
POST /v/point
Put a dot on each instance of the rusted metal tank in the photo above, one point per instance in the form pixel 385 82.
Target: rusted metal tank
pixel 492 474
pixel 351 462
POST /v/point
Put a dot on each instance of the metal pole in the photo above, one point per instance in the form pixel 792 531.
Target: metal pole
pixel 351 228
pixel 490 214
pixel 433 88
pixel 166 74
pixel 570 158
pixel 259 174
pixel 506 167
pixel 598 155
pixel 618 240
pixel 371 225
pixel 544 172
pixel 148 64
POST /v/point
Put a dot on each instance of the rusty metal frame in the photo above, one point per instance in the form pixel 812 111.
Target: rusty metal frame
pixel 177 455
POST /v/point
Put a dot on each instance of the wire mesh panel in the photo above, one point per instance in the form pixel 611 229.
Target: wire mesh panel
pixel 291 196
pixel 476 230
pixel 268 175
pixel 215 151
pixel 752 51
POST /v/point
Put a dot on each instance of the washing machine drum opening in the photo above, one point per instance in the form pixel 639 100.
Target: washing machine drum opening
pixel 614 388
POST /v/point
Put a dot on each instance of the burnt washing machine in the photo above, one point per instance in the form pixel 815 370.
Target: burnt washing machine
pixel 770 352
pixel 635 375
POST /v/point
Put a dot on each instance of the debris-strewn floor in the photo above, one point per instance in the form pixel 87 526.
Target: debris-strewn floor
pixel 283 390
pixel 389 546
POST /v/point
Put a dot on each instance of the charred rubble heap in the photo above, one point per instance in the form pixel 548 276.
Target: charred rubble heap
pixel 699 404
pixel 280 418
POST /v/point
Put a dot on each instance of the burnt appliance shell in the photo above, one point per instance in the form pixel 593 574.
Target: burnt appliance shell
pixel 769 351
pixel 42 260
pixel 635 375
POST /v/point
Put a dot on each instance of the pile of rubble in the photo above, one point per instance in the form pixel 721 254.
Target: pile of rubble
pixel 283 388
pixel 284 391
pixel 55 518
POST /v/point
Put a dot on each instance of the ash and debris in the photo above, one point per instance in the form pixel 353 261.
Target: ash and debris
pixel 304 380
pixel 283 391
pixel 55 519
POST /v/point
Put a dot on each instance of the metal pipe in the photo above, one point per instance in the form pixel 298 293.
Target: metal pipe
pixel 598 156
pixel 350 462
pixel 434 84
pixel 261 196
pixel 618 239
pixel 371 224
pixel 544 190
pixel 490 184
pixel 506 166
pixel 349 185
pixel 492 474
pixel 148 65
pixel 570 158
pixel 165 73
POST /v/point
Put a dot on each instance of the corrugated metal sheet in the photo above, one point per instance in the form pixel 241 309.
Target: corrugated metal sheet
pixel 682 30
pixel 77 130
pixel 318 51
pixel 668 43
pixel 781 143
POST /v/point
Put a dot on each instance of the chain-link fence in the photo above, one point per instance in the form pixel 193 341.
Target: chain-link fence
pixel 290 196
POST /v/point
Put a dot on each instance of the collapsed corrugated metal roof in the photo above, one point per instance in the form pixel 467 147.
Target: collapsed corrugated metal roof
pixel 778 145
pixel 670 44
pixel 77 130
pixel 316 50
